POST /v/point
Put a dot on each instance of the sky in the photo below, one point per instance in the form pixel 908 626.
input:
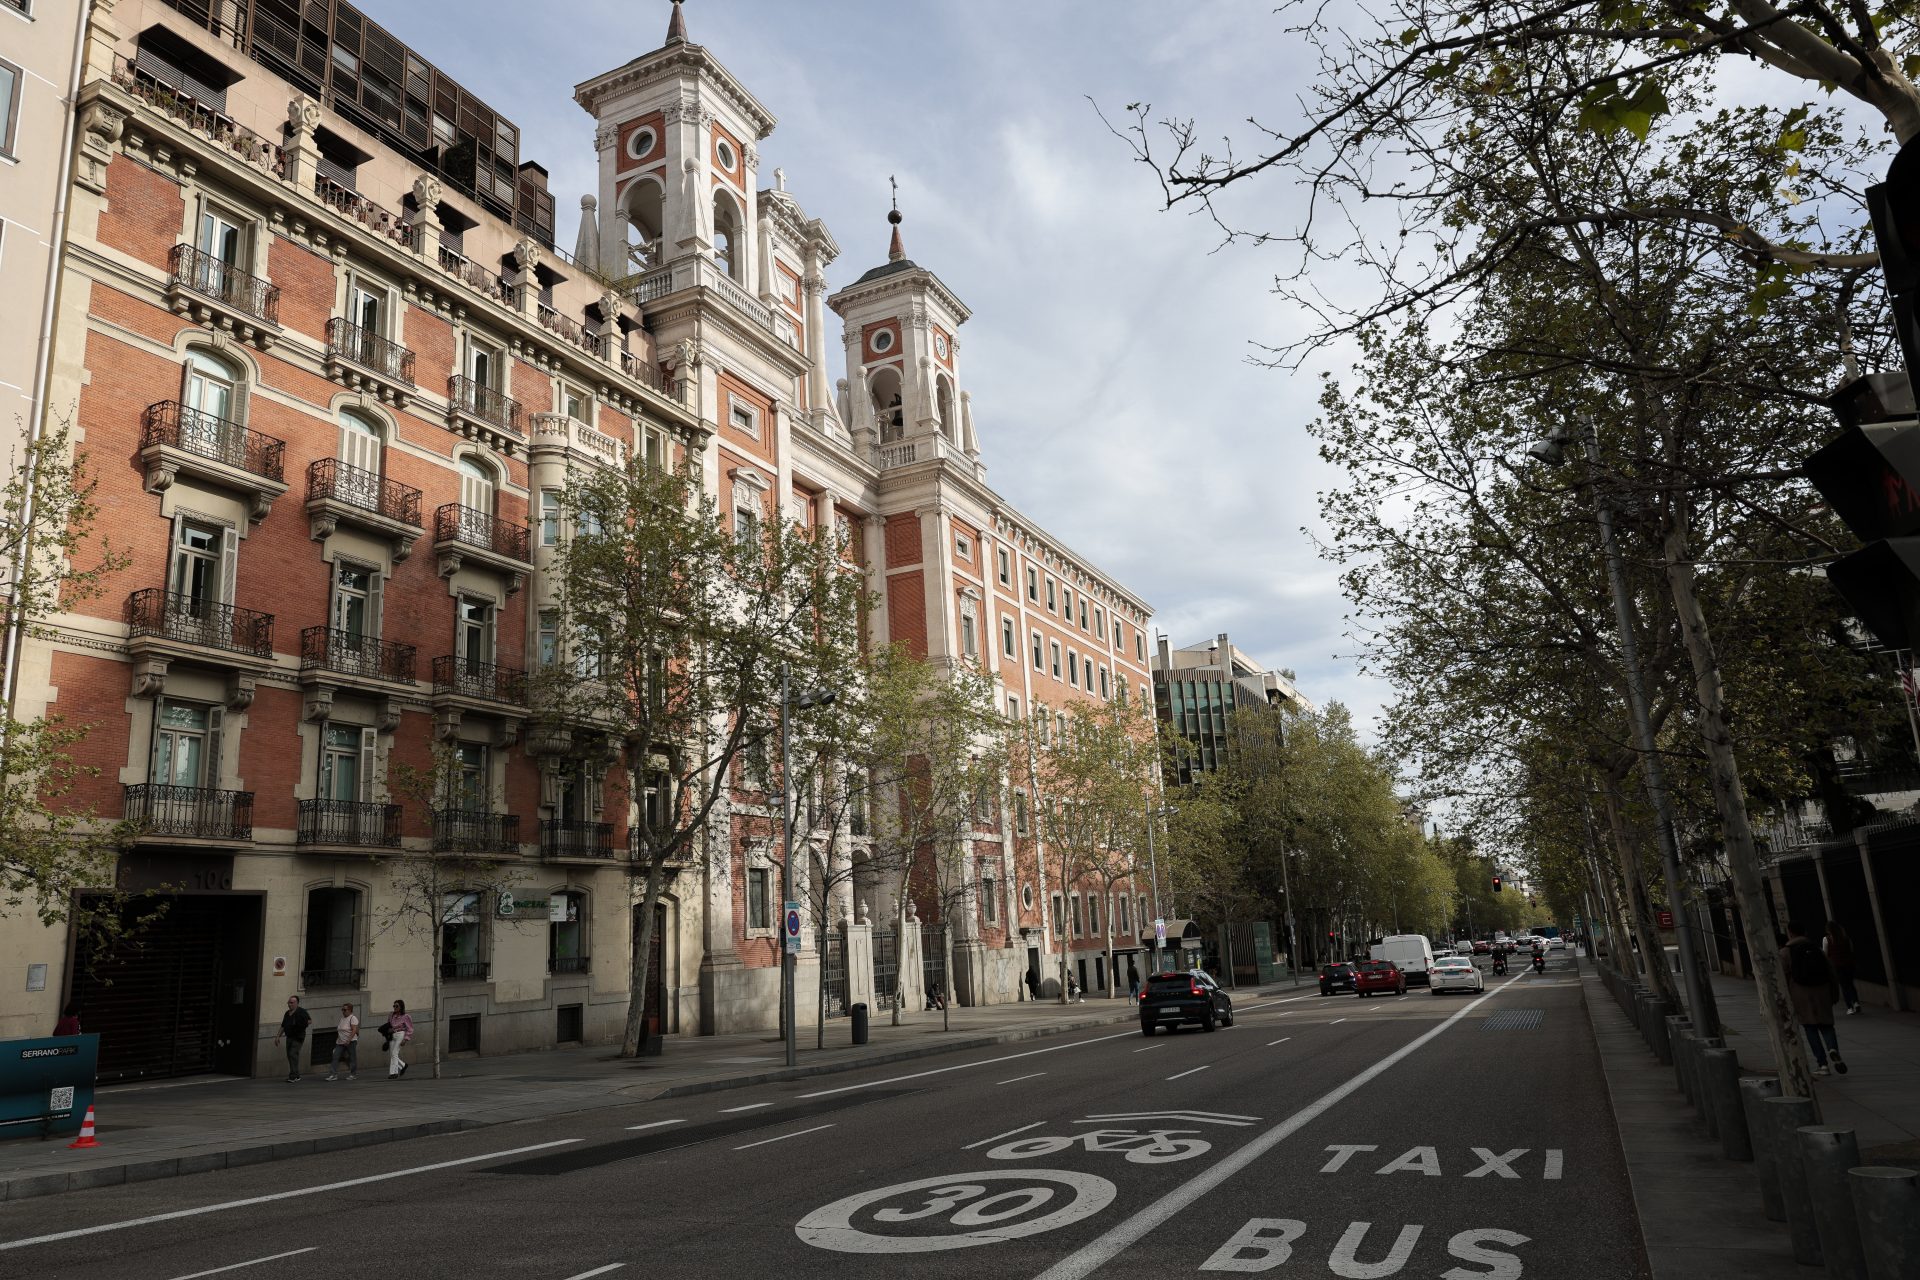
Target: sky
pixel 1108 353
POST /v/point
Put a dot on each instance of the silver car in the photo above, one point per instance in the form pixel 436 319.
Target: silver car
pixel 1456 973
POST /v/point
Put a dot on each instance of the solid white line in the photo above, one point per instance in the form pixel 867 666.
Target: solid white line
pixel 1336 1022
pixel 653 1125
pixel 940 1071
pixel 278 1195
pixel 751 1106
pixel 1017 1079
pixel 783 1137
pixel 1129 1231
pixel 1151 1046
pixel 1187 1073
pixel 1008 1134
pixel 598 1271
pixel 235 1266
pixel 1281 1040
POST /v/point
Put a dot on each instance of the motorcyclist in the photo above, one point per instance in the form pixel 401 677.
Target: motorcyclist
pixel 1539 957
pixel 1499 964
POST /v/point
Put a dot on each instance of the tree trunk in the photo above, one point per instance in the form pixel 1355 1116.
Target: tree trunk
pixel 1729 799
pixel 899 951
pixel 1066 913
pixel 1653 956
pixel 946 969
pixel 637 969
pixel 437 908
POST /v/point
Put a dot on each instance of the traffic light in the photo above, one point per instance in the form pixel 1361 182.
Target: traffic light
pixel 1894 206
pixel 1870 475
pixel 1496 884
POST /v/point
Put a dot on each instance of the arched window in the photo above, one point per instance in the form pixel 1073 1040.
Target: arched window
pixel 477 484
pixel 727 250
pixel 360 441
pixel 567 932
pixel 645 247
pixel 888 410
pixel 211 406
pixel 943 396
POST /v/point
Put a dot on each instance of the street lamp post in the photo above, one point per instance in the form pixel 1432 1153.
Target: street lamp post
pixel 1700 1004
pixel 1153 866
pixel 789 959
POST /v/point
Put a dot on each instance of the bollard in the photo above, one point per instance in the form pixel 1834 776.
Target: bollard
pixel 1702 1099
pixel 1683 1063
pixel 1783 1117
pixel 1755 1090
pixel 1720 1072
pixel 1659 1031
pixel 1886 1208
pixel 1826 1153
pixel 1678 1024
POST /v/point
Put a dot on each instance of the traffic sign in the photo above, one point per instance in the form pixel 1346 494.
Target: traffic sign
pixel 1665 918
pixel 792 918
pixel 1160 930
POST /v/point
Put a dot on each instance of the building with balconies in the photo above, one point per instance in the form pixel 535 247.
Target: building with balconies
pixel 276 271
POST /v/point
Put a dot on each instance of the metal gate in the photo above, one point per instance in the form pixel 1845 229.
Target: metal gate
pixel 933 962
pixel 886 967
pixel 833 960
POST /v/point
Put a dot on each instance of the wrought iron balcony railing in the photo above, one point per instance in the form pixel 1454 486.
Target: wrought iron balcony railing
pixel 330 649
pixel 477 400
pixel 475 831
pixel 205 813
pixel 349 822
pixel 369 350
pixel 486 680
pixel 463 970
pixel 347 978
pixel 567 964
pixel 561 838
pixel 173 615
pixel 212 277
pixel 212 437
pixel 474 528
pixel 359 487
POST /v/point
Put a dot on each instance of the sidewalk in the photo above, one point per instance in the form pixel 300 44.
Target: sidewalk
pixel 174 1127
pixel 1700 1213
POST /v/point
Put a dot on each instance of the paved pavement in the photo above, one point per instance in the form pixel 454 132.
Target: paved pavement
pixel 1416 1137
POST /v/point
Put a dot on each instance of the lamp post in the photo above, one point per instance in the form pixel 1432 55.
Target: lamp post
pixel 1552 451
pixel 788 958
pixel 1153 866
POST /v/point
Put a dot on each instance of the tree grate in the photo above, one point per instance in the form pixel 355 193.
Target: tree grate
pixel 1513 1020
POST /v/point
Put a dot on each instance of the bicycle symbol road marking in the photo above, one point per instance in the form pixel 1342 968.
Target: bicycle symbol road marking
pixel 968 1201
pixel 1142 1146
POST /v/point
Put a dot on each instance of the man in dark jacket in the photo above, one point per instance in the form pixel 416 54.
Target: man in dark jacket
pixel 1812 991
pixel 293 1029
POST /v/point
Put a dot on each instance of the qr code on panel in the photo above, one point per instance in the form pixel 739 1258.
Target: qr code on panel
pixel 60 1100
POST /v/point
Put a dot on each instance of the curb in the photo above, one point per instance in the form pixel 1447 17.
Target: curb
pixel 30 1186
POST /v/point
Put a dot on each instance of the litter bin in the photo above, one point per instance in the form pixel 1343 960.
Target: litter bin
pixel 859 1012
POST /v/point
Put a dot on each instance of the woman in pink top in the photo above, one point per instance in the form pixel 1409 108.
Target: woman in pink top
pixel 401 1027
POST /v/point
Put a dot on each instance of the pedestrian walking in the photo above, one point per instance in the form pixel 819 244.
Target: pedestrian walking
pixel 346 1043
pixel 1033 983
pixel 399 1030
pixel 1073 989
pixel 69 1023
pixel 1812 991
pixel 293 1030
pixel 1840 956
pixel 1133 982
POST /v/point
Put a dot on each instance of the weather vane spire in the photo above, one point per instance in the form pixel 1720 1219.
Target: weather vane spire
pixel 895 251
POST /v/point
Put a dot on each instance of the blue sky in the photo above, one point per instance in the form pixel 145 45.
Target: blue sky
pixel 1107 351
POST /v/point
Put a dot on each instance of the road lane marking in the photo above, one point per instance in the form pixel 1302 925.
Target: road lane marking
pixel 1336 1022
pixel 598 1271
pixel 1184 1113
pixel 1131 1230
pixel 783 1137
pixel 1008 1134
pixel 235 1266
pixel 278 1195
pixel 1281 1040
pixel 1151 1046
pixel 1187 1073
pixel 964 1066
pixel 652 1125
pixel 751 1106
pixel 1035 1075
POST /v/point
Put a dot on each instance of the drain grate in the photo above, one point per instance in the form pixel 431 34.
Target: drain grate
pixel 1513 1020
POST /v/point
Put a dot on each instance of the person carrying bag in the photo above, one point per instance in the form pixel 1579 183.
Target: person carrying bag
pixel 398 1029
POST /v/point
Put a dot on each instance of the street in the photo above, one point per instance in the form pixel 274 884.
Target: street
pixel 1420 1136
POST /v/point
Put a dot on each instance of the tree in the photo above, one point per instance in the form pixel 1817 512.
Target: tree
pixel 675 632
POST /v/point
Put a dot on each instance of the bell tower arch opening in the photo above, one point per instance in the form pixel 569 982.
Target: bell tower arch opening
pixel 643 211
pixel 889 409
pixel 729 248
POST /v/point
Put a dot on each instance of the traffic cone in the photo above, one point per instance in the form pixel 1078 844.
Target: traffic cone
pixel 85 1141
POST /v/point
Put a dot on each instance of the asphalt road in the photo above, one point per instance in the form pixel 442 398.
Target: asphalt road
pixel 1451 1136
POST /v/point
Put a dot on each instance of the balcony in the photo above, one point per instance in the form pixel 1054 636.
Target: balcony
pixel 472 831
pixel 349 824
pixel 340 493
pixel 154 613
pixel 462 533
pixel 680 860
pixel 166 812
pixel 349 203
pixel 362 359
pixel 656 286
pixel 481 413
pixel 569 964
pixel 565 840
pixel 343 979
pixel 214 292
pixel 463 970
pixel 361 657
pixel 566 328
pixel 456 677
pixel 176 440
pixel 933 448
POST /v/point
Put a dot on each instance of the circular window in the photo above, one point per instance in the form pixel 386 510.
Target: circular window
pixel 640 143
pixel 724 150
pixel 1026 896
pixel 882 340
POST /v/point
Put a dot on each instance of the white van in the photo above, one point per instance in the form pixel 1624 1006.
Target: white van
pixel 1411 952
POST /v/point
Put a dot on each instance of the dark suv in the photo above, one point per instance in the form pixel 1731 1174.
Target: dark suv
pixel 1172 999
pixel 1336 977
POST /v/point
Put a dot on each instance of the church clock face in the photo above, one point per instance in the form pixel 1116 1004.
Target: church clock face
pixel 940 345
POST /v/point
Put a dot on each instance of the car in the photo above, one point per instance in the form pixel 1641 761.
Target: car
pixel 1382 977
pixel 1554 944
pixel 1336 977
pixel 1456 973
pixel 1411 952
pixel 1482 947
pixel 1175 999
pixel 1443 953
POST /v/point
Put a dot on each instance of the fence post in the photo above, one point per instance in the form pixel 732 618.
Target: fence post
pixel 1827 1152
pixel 1755 1090
pixel 1886 1206
pixel 1783 1116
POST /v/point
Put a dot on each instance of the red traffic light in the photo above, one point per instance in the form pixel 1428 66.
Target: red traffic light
pixel 1496 884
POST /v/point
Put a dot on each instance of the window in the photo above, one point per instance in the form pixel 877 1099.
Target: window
pixel 1009 644
pixel 366 310
pixel 1086 674
pixel 547 650
pixel 1059 916
pixel 743 418
pixel 1093 914
pixel 983 807
pixel 567 932
pixel 1053 599
pixel 746 516
pixel 1079 920
pixel 1083 612
pixel 460 936
pixel 1116 633
pixel 759 898
pixel 221 235
pixel 473 635
pixel 1073 667
pixel 472 778
pixel 1105 689
pixel 549 517
pixel 856 804
pixel 1140 646
pixel 360 441
pixel 476 484
pixel 573 403
pixel 1121 904
pixel 1053 649
pixel 989 899
pixel 1060 724
pixel 1033 583
pixel 213 390
pixel 969 641
pixel 333 918
pixel 1026 896
pixel 586 523
pixel 1121 688
pixel 199 578
pixel 345 763
pixel 655 446
pixel 1020 814
pixel 1006 567
pixel 1141 903
pixel 484 365
pixel 356 601
pixel 640 143
pixel 9 105
pixel 1039 659
pixel 962 547
pixel 1066 603
pixel 1099 621
pixel 186 745
pixel 1013 707
pixel 728 252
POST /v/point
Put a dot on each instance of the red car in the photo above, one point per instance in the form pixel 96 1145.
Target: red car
pixel 1382 976
pixel 1481 946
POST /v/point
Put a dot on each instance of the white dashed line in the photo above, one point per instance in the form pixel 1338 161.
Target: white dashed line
pixel 965 1066
pixel 235 1266
pixel 1281 1040
pixel 653 1125
pixel 1030 1076
pixel 598 1271
pixel 1336 1022
pixel 1187 1073
pixel 751 1106
pixel 1151 1046
pixel 783 1137
pixel 1008 1134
